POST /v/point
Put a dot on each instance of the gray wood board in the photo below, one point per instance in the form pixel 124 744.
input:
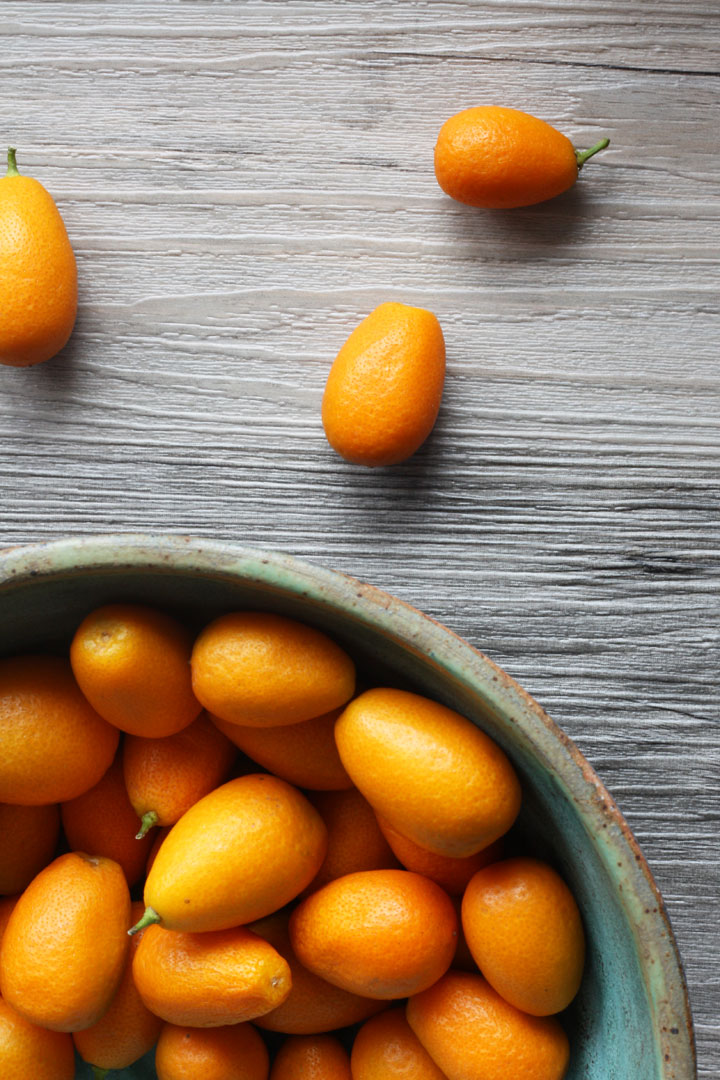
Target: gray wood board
pixel 242 182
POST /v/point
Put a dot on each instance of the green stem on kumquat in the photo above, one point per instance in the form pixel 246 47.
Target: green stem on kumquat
pixel 581 156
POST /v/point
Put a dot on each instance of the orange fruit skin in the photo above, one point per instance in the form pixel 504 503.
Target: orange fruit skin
pixel 103 822
pixel 384 389
pixel 499 158
pixel 64 949
pixel 28 838
pixel 304 754
pixel 209 980
pixel 223 1053
pixel 311 1057
pixel 28 1052
pixel 261 670
pixel 524 930
pixel 243 851
pixel 386 1048
pixel 355 841
pixel 427 771
pixel 471 1033
pixel 55 746
pixel 313 1005
pixel 131 663
pixel 38 274
pixel 449 873
pixel 169 775
pixel 380 933
pixel 128 1029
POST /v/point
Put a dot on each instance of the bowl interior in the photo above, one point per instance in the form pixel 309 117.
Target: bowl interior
pixel 630 1020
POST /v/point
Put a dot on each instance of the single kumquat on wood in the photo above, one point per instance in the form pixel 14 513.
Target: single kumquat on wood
pixel 499 158
pixel 38 274
pixel 383 392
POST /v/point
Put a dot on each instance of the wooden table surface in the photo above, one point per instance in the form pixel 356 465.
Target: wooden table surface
pixel 242 182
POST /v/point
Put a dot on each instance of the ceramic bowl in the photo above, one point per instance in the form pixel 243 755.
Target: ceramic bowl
pixel 631 1020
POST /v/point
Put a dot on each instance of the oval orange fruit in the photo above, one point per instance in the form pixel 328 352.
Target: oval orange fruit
pixel 38 274
pixel 165 777
pixel 449 873
pixel 222 1053
pixel 384 389
pixel 238 854
pixel 355 841
pixel 211 979
pixel 386 1048
pixel 29 1052
pixel 427 771
pixel 54 744
pixel 524 930
pixel 470 1031
pixel 262 670
pixel 28 838
pixel 304 754
pixel 103 822
pixel 498 158
pixel 311 1057
pixel 380 933
pixel 313 1005
pixel 64 948
pixel 128 1029
pixel 132 664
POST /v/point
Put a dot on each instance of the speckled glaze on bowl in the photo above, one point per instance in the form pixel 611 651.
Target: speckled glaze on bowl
pixel 631 1020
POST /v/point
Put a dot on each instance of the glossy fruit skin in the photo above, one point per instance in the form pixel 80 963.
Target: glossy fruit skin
pixel 303 754
pixel 131 663
pixel 450 874
pixel 386 1048
pixel 499 158
pixel 128 1029
pixel 170 775
pixel 28 838
pixel 55 746
pixel 427 771
pixel 64 949
pixel 243 851
pixel 471 1032
pixel 313 1005
pixel 380 933
pixel 355 841
pixel 102 822
pixel 223 1053
pixel 211 979
pixel 384 389
pixel 38 274
pixel 261 670
pixel 311 1057
pixel 524 930
pixel 28 1052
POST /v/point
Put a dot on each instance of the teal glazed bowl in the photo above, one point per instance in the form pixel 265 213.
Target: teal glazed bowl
pixel 631 1020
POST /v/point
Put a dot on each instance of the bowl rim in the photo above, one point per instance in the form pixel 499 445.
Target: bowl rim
pixel 640 897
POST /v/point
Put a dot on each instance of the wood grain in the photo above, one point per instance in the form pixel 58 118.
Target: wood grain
pixel 242 182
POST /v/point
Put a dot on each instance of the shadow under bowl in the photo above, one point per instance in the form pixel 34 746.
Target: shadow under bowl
pixel 631 1019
